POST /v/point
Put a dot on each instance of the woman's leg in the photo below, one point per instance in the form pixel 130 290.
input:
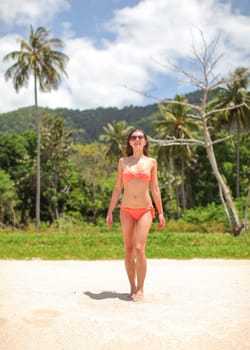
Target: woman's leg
pixel 128 228
pixel 142 228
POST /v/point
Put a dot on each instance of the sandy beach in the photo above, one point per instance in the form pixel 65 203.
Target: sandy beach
pixel 74 305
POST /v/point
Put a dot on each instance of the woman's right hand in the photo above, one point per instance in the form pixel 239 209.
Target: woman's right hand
pixel 109 220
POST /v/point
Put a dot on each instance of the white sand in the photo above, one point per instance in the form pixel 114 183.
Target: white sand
pixel 75 305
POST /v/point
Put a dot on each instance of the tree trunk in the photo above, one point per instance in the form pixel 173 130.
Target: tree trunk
pixel 56 211
pixel 183 193
pixel 237 225
pixel 38 167
pixel 95 210
pixel 1 213
pixel 246 210
pixel 238 163
pixel 177 199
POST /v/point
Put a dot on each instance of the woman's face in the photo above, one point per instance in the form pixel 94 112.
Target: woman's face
pixel 137 140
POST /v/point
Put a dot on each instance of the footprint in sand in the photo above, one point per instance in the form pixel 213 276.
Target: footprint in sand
pixel 2 321
pixel 42 317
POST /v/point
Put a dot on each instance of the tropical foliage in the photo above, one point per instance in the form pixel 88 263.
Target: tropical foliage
pixel 7 199
pixel 37 57
pixel 86 176
pixel 176 123
pixel 115 137
pixel 235 94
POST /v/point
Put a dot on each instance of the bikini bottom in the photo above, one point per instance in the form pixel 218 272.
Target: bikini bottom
pixel 136 213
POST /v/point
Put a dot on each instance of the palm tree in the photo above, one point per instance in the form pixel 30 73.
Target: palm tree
pixel 115 137
pixel 235 94
pixel 176 123
pixel 37 57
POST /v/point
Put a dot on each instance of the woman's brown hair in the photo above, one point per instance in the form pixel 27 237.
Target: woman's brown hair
pixel 129 149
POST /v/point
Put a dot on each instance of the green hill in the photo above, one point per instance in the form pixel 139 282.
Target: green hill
pixel 88 124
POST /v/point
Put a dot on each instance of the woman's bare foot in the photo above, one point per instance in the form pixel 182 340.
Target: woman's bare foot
pixel 132 294
pixel 138 296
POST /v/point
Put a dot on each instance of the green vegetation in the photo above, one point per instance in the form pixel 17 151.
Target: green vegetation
pixel 201 141
pixel 93 243
pixel 38 58
pixel 77 182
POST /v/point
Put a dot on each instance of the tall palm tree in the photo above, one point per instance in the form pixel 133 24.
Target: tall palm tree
pixel 176 123
pixel 234 94
pixel 38 57
pixel 115 137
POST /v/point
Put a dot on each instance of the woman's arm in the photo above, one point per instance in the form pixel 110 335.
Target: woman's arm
pixel 155 190
pixel 115 194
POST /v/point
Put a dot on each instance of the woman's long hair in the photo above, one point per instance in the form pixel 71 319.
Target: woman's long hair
pixel 129 149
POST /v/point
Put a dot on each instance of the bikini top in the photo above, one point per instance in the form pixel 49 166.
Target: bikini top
pixel 131 175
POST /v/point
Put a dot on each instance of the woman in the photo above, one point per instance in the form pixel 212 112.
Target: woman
pixel 135 173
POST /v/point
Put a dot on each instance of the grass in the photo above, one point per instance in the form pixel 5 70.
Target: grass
pixel 93 244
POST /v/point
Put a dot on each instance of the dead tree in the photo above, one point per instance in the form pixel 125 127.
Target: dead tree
pixel 206 80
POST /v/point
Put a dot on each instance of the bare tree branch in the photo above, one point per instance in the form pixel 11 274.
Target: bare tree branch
pixel 221 140
pixel 223 110
pixel 174 142
pixel 165 100
pixel 213 64
pixel 181 103
pixel 193 116
pixel 146 94
pixel 193 79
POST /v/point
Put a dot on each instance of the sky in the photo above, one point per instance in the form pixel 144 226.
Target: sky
pixel 124 52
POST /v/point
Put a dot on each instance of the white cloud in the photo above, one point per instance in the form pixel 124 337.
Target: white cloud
pixel 25 12
pixel 152 30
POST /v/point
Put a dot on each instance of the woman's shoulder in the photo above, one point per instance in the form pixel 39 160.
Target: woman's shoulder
pixel 152 160
pixel 152 163
pixel 123 161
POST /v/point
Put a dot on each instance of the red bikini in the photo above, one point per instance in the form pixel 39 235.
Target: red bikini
pixel 131 175
pixel 136 213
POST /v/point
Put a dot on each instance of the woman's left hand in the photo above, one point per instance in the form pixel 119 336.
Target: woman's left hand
pixel 161 221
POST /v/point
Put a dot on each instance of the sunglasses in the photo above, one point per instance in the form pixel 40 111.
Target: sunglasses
pixel 135 137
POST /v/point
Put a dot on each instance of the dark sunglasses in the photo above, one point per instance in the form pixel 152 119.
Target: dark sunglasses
pixel 135 137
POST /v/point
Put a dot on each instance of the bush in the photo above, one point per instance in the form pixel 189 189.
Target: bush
pixel 201 219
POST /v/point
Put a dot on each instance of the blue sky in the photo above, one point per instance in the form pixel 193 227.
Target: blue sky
pixel 117 47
